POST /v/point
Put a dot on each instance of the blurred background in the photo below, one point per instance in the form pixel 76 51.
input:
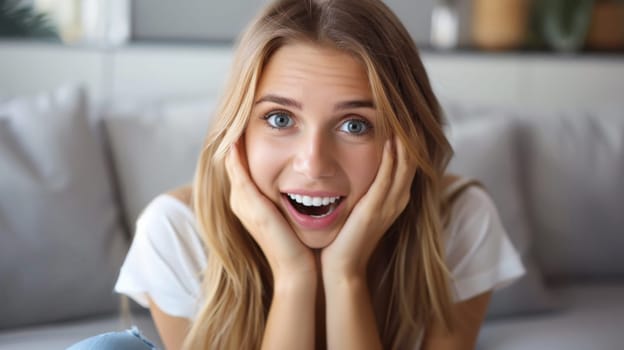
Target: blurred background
pixel 522 44
pixel 559 25
pixel 533 91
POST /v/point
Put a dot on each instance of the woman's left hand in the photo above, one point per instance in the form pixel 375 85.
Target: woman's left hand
pixel 387 197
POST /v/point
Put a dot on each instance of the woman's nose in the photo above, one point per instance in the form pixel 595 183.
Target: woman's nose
pixel 315 157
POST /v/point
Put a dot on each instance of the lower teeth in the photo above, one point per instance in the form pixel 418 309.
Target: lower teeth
pixel 315 212
pixel 331 209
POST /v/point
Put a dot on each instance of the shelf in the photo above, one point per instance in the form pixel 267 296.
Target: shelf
pixel 425 49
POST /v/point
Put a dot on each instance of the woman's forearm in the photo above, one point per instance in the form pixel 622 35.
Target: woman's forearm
pixel 350 316
pixel 290 324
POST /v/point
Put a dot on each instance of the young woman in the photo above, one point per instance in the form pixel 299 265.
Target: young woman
pixel 321 215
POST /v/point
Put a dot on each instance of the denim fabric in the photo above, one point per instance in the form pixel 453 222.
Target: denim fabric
pixel 131 339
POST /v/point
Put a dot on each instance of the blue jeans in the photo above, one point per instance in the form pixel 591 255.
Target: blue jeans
pixel 131 339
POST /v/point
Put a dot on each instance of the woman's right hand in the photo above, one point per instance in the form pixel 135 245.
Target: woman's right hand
pixel 286 254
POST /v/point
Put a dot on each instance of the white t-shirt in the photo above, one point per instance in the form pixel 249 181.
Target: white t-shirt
pixel 166 256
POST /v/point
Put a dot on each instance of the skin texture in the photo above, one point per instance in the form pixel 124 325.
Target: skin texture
pixel 321 95
pixel 171 329
pixel 315 153
pixel 321 273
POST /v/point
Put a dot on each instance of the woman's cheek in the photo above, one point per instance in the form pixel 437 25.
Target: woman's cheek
pixel 265 163
pixel 362 168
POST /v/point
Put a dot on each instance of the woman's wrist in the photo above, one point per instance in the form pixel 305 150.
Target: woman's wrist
pixel 291 319
pixel 342 270
pixel 295 280
pixel 350 315
pixel 346 276
pixel 292 266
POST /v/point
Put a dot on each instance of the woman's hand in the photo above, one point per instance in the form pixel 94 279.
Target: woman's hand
pixel 290 322
pixel 286 254
pixel 348 255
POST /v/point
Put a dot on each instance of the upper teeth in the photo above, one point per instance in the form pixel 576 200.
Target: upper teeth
pixel 312 201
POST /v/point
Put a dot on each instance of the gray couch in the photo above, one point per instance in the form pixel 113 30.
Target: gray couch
pixel 558 179
pixel 71 187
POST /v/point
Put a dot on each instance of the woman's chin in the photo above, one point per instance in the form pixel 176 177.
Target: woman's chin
pixel 317 239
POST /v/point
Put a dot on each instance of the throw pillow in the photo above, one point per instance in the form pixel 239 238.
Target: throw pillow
pixel 575 172
pixel 155 148
pixel 486 150
pixel 61 240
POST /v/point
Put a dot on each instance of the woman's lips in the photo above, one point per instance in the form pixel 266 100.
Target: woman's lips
pixel 313 222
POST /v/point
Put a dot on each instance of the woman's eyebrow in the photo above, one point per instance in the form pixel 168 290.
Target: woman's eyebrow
pixel 284 101
pixel 289 102
pixel 355 104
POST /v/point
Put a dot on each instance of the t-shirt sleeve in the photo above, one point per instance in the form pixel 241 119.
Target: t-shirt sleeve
pixel 479 253
pixel 165 260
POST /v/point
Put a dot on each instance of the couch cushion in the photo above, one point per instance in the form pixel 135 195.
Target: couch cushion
pixel 575 178
pixel 486 149
pixel 155 147
pixel 61 243
pixel 591 317
pixel 63 334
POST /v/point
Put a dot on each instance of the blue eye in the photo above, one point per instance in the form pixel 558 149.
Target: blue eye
pixel 356 127
pixel 279 120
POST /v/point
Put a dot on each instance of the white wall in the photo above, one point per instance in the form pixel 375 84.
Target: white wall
pixel 222 20
pixel 143 72
pixel 27 67
pixel 541 81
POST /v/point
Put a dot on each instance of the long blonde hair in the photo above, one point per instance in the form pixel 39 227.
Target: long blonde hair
pixel 408 279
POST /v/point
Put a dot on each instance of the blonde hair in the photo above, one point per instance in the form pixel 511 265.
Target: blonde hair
pixel 408 279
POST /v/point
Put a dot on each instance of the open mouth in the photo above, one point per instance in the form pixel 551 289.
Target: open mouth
pixel 316 207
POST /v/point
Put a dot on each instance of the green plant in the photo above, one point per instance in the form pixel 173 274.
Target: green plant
pixel 563 24
pixel 17 20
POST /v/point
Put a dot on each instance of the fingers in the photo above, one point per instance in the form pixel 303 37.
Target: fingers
pixel 240 181
pixel 368 221
pixel 252 208
pixel 380 186
pixel 391 187
pixel 237 171
pixel 234 166
pixel 262 219
pixel 403 176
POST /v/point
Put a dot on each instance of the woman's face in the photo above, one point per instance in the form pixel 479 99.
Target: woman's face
pixel 312 142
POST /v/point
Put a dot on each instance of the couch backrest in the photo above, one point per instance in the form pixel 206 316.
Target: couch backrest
pixel 568 169
pixel 571 168
pixel 573 174
pixel 61 240
pixel 154 148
